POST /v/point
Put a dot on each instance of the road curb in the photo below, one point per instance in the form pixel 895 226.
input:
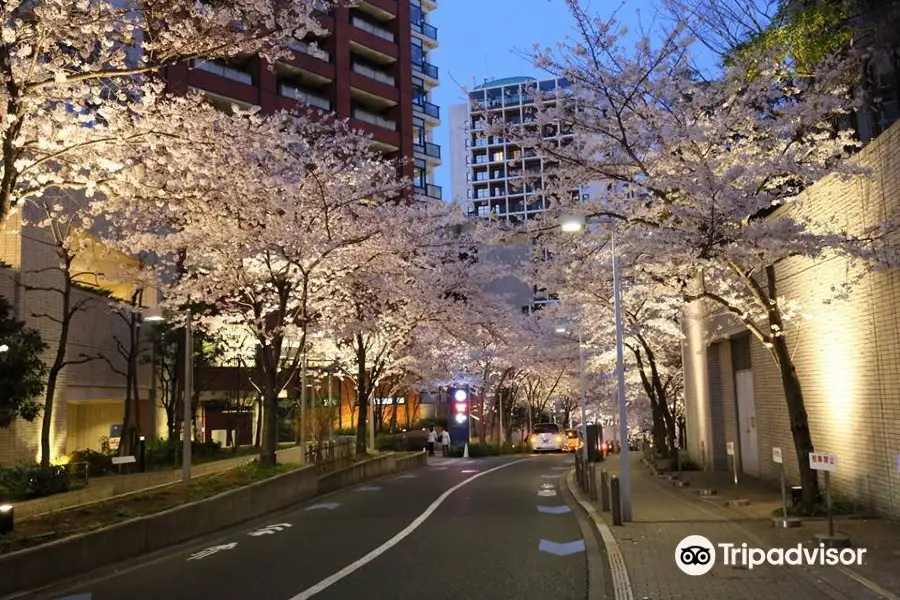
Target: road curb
pixel 620 580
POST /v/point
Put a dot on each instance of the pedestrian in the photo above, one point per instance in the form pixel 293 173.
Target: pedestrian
pixel 445 442
pixel 431 440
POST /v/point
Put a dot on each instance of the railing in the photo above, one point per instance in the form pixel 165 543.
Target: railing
pixel 301 96
pixel 309 50
pixel 430 190
pixel 373 74
pixel 428 149
pixel 426 107
pixel 372 28
pixel 364 115
pixel 426 29
pixel 330 455
pixel 426 68
pixel 223 71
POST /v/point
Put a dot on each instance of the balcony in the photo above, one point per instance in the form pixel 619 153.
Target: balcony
pixel 374 74
pixel 430 190
pixel 373 119
pixel 427 108
pixel 309 50
pixel 428 149
pixel 223 71
pixel 426 29
pixel 426 68
pixel 289 91
pixel 376 30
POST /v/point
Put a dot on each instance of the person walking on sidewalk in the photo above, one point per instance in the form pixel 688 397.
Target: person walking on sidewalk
pixel 445 442
pixel 431 439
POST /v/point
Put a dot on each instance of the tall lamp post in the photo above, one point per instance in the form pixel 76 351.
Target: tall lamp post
pixel 572 224
pixel 584 444
pixel 156 315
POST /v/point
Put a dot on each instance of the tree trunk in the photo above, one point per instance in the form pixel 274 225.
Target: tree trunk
pixel 270 428
pixel 259 422
pixel 793 394
pixel 362 396
pixel 483 424
pixel 59 362
pixel 659 425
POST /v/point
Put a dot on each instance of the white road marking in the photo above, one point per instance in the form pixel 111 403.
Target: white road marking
pixel 332 579
pixel 210 551
pixel 546 493
pixel 270 529
pixel 470 471
pixel 406 476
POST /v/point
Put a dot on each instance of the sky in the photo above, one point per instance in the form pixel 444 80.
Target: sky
pixel 479 39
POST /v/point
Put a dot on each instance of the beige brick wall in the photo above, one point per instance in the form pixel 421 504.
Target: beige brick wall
pixel 847 355
pixel 93 331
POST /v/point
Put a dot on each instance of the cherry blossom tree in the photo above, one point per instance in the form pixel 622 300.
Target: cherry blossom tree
pixel 716 168
pixel 261 229
pixel 72 69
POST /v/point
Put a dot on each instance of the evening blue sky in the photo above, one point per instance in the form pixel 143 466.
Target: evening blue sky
pixel 479 38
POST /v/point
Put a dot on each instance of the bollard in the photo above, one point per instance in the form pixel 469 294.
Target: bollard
pixel 592 477
pixel 142 454
pixel 616 501
pixel 604 490
pixel 7 519
pixel 578 470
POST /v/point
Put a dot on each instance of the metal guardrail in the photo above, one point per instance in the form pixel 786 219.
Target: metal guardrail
pixel 328 455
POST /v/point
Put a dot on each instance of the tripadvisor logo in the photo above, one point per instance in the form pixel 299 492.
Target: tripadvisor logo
pixel 696 555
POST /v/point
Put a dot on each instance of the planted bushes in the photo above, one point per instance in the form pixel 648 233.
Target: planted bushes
pixel 23 482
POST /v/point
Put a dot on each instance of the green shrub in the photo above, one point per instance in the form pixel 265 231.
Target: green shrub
pixel 384 442
pixel 98 463
pixel 350 431
pixel 33 481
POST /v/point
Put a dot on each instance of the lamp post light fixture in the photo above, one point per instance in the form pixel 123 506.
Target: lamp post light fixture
pixel 576 223
pixel 4 348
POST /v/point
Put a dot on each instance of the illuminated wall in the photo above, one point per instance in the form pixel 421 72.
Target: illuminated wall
pixel 847 355
pixel 93 392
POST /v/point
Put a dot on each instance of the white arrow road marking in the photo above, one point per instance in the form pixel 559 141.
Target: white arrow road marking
pixel 547 493
pixel 547 486
pixel 554 510
pixel 210 551
pixel 325 505
pixel 561 549
pixel 417 522
pixel 270 529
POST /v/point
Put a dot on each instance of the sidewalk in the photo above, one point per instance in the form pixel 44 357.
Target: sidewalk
pixel 665 515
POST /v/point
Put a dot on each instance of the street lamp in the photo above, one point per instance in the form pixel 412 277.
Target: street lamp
pixel 572 224
pixel 155 315
pixel 4 348
pixel 581 402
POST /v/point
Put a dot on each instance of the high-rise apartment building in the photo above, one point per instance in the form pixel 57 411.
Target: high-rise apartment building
pixel 491 175
pixel 372 68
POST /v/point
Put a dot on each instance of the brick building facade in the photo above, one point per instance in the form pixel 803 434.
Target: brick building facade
pixel 847 357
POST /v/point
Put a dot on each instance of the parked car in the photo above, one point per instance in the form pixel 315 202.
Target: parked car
pixel 574 440
pixel 549 437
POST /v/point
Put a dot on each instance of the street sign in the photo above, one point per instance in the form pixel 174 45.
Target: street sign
pixel 823 461
pixel 123 460
pixel 776 456
pixel 729 448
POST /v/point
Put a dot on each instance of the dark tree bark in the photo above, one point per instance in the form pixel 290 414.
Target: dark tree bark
pixel 362 394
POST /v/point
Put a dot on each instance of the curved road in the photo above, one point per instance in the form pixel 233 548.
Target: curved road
pixel 496 528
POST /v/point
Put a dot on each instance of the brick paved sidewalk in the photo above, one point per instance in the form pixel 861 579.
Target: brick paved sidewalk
pixel 664 515
pixel 880 537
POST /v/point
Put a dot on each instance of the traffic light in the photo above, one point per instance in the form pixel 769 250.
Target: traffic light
pixel 459 425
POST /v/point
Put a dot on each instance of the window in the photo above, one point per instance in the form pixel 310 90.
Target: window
pixel 546 428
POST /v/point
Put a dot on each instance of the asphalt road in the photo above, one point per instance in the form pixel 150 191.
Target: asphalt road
pixel 462 529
